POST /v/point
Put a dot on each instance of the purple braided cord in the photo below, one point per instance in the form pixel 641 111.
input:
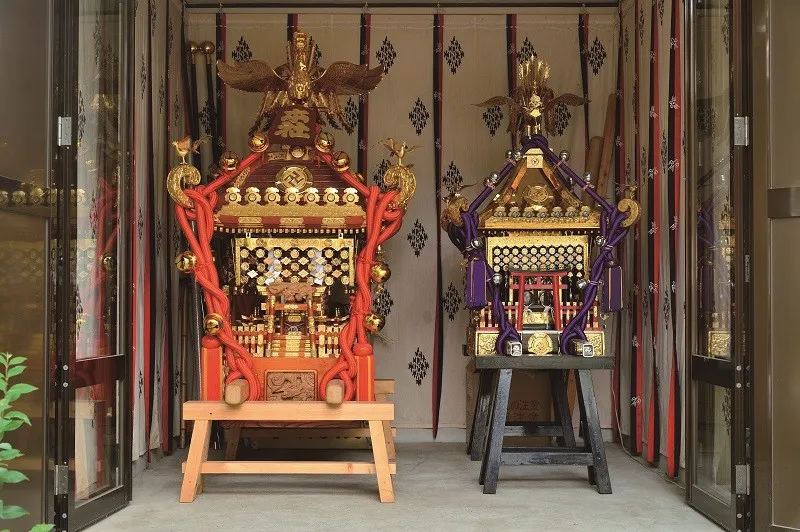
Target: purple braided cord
pixel 462 236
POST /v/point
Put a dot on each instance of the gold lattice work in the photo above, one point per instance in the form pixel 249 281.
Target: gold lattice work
pixel 568 253
pixel 262 261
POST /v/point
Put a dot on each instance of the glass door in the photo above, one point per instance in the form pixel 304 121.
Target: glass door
pixel 718 267
pixel 94 410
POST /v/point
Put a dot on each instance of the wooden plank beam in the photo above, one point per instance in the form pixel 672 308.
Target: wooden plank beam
pixel 546 458
pixel 290 468
pixel 288 411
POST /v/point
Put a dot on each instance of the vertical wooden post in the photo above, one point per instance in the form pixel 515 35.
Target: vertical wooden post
pixel 232 436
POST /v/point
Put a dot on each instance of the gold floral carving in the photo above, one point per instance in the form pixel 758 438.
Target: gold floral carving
pixel 485 343
pixel 540 343
pixel 597 339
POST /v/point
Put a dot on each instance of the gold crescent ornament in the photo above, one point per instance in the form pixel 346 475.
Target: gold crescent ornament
pixel 633 209
pixel 181 175
pixel 454 206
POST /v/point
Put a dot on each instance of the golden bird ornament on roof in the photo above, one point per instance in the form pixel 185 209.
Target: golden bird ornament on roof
pixel 532 103
pixel 300 81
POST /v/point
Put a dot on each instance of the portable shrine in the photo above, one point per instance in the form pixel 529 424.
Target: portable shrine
pixel 537 252
pixel 288 297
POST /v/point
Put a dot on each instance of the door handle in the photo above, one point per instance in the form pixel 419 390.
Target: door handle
pixel 783 202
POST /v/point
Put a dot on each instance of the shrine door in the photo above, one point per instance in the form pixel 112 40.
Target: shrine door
pixel 718 266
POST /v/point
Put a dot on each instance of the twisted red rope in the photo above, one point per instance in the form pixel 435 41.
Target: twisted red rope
pixel 204 198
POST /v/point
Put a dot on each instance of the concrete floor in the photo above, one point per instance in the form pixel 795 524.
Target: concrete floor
pixel 436 488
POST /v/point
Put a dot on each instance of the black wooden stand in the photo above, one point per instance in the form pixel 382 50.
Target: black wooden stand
pixel 489 422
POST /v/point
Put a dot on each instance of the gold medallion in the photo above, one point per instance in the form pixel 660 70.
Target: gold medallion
pixel 540 343
pixel 297 177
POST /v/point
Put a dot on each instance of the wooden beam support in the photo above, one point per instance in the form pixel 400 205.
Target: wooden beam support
pixel 276 467
pixel 288 411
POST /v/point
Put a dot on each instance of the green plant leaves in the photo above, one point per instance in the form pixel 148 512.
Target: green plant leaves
pixel 9 476
pixel 17 390
pixel 42 528
pixel 13 512
pixel 15 414
pixel 15 371
pixel 11 366
pixel 9 454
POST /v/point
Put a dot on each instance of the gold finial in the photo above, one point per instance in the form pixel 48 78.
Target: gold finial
pixel 532 103
pixel 397 149
pixel 300 81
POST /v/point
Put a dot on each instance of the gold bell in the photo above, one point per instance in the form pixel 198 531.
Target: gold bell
pixel 212 323
pixel 341 161
pixel 228 161
pixel 324 141
pixel 107 261
pixel 380 272
pixel 373 322
pixel 258 142
pixel 186 262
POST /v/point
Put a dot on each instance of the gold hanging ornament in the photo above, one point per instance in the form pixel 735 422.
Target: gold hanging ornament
pixel 186 262
pixel 228 161
pixel 213 323
pixel 258 142
pixel 325 141
pixel 373 322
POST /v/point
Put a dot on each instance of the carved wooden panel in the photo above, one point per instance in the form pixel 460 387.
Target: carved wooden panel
pixel 291 385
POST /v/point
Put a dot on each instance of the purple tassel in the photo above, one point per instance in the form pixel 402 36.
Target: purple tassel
pixel 612 289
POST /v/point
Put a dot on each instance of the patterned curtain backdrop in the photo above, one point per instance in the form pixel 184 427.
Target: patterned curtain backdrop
pixel 158 103
pixel 651 145
pixel 140 243
pixel 437 67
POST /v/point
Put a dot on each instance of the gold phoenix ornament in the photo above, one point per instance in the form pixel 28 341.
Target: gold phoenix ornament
pixel 532 103
pixel 300 81
pixel 400 176
pixel 184 173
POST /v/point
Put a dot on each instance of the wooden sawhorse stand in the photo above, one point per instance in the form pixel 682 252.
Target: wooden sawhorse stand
pixel 324 438
pixel 204 412
pixel 489 422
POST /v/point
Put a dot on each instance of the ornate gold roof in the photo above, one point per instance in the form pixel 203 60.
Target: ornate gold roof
pixel 295 187
pixel 533 198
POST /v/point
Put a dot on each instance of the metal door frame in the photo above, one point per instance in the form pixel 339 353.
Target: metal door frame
pixel 65 66
pixel 737 374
